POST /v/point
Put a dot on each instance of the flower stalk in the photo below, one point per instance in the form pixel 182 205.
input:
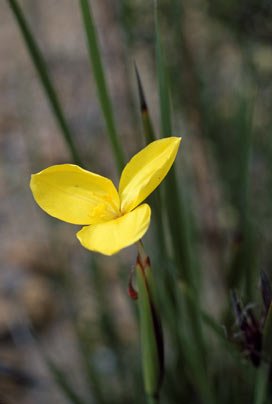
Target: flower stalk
pixel 150 326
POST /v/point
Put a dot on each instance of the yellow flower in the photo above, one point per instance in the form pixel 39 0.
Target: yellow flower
pixel 114 220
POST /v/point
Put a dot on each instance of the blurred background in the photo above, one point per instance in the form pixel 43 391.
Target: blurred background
pixel 219 61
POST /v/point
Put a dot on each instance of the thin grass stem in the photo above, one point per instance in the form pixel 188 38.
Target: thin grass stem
pixel 43 73
pixel 100 81
pixel 261 384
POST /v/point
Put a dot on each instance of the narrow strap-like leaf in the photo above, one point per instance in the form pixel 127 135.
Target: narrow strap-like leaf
pixel 262 380
pixel 63 383
pixel 100 82
pixel 147 124
pixel 41 68
pixel 151 358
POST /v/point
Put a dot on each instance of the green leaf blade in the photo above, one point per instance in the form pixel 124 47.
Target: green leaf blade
pixel 42 70
pixel 100 81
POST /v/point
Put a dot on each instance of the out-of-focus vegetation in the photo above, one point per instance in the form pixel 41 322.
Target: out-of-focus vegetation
pixel 69 332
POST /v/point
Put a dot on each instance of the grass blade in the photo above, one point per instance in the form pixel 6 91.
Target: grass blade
pixel 91 374
pixel 177 215
pixel 165 110
pixel 267 335
pixel 178 220
pixel 179 226
pixel 261 385
pixel 63 383
pixel 147 124
pixel 151 333
pixel 155 199
pixel 100 81
pixel 41 68
pixel 243 263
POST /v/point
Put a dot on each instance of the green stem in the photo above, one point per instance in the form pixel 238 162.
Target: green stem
pixel 100 81
pixel 153 400
pixel 42 70
pixel 150 327
pixel 261 384
pixel 141 250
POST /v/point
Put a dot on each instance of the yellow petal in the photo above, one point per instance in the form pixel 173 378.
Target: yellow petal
pixel 145 171
pixel 75 195
pixel 110 237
